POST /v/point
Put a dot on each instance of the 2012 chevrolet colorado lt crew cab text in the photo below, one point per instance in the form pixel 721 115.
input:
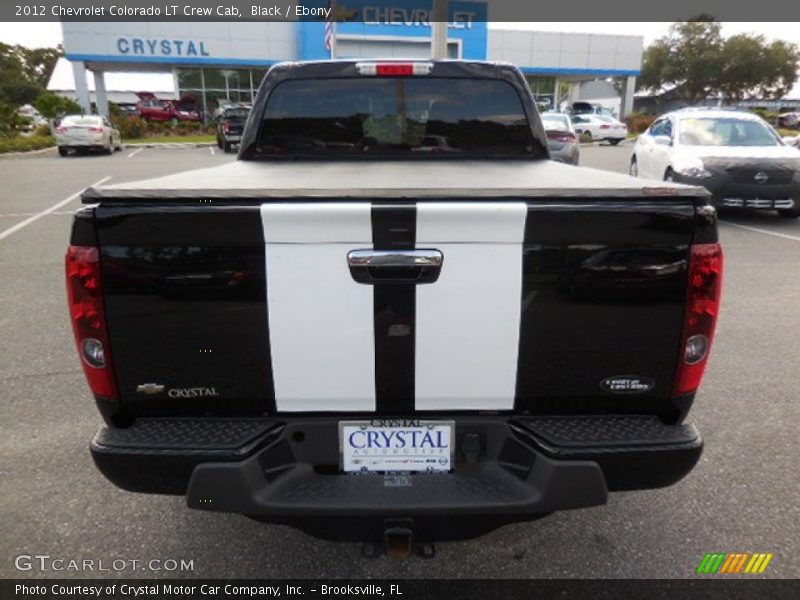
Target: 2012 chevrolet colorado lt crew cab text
pixel 358 333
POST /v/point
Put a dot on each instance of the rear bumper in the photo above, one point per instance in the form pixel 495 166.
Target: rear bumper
pixel 286 470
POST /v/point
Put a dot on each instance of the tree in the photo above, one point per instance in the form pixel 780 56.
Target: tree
pixel 38 63
pixel 689 59
pixel 53 107
pixel 24 72
pixel 754 68
pixel 694 60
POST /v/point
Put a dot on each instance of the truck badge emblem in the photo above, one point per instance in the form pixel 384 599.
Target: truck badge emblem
pixel 761 177
pixel 149 388
pixel 627 384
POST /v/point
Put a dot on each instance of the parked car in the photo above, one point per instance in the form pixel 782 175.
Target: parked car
pixel 589 108
pixel 230 126
pixel 87 133
pixel 32 117
pixel 128 109
pixel 789 120
pixel 394 357
pixel 736 155
pixel 561 137
pixel 600 127
pixel 153 108
pixel 187 109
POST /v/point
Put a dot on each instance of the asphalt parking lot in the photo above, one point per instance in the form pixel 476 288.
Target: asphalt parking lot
pixel 744 496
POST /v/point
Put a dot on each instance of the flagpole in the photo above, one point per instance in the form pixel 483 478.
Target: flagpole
pixel 333 29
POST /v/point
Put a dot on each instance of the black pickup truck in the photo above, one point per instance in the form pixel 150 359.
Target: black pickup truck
pixel 356 333
pixel 230 126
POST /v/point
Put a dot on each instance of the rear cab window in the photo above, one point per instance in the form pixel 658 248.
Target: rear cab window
pixel 397 117
pixel 84 121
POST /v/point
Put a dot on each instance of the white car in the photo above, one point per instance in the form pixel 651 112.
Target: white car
pixel 600 127
pixel 90 132
pixel 33 118
pixel 735 155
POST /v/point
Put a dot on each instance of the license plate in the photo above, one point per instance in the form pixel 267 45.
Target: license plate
pixel 396 445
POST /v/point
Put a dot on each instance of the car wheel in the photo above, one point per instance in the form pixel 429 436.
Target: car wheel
pixel 614 142
pixel 219 142
pixel 669 175
pixel 62 151
pixel 226 146
pixel 633 170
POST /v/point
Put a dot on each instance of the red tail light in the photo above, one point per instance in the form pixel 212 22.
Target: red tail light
pixel 87 314
pixel 700 319
pixel 226 126
pixel 394 70
pixel 605 126
pixel 62 130
pixel 562 136
pixel 96 129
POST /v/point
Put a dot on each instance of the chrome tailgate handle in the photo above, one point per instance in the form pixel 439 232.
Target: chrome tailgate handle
pixel 395 266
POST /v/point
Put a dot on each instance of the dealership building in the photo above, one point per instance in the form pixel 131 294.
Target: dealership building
pixel 223 62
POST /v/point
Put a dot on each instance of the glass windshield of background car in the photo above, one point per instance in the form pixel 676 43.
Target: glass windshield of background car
pixel 558 121
pixel 661 127
pixel 395 116
pixel 237 113
pixel 82 121
pixel 725 132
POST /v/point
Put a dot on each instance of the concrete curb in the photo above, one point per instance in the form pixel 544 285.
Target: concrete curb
pixel 29 154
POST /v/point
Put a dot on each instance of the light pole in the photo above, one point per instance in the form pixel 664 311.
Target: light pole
pixel 439 29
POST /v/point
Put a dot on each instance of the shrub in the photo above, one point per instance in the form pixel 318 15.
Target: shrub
pixel 639 122
pixel 42 130
pixel 768 115
pixel 130 127
pixel 10 121
pixel 25 143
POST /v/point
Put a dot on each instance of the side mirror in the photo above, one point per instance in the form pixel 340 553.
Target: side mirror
pixel 663 140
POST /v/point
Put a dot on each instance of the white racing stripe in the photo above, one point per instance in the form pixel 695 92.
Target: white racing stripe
pixel 467 323
pixel 320 320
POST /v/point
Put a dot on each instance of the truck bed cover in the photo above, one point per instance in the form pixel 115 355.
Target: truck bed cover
pixel 356 179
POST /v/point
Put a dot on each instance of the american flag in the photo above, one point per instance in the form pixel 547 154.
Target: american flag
pixel 329 25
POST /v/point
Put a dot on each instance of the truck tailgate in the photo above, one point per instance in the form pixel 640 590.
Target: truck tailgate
pixel 252 307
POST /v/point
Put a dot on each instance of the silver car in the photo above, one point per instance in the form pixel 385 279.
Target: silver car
pixel 90 132
pixel 561 137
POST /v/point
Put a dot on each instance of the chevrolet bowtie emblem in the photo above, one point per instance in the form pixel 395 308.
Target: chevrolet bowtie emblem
pixel 149 388
pixel 761 177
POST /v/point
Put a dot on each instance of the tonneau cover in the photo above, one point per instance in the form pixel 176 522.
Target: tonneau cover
pixel 390 179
